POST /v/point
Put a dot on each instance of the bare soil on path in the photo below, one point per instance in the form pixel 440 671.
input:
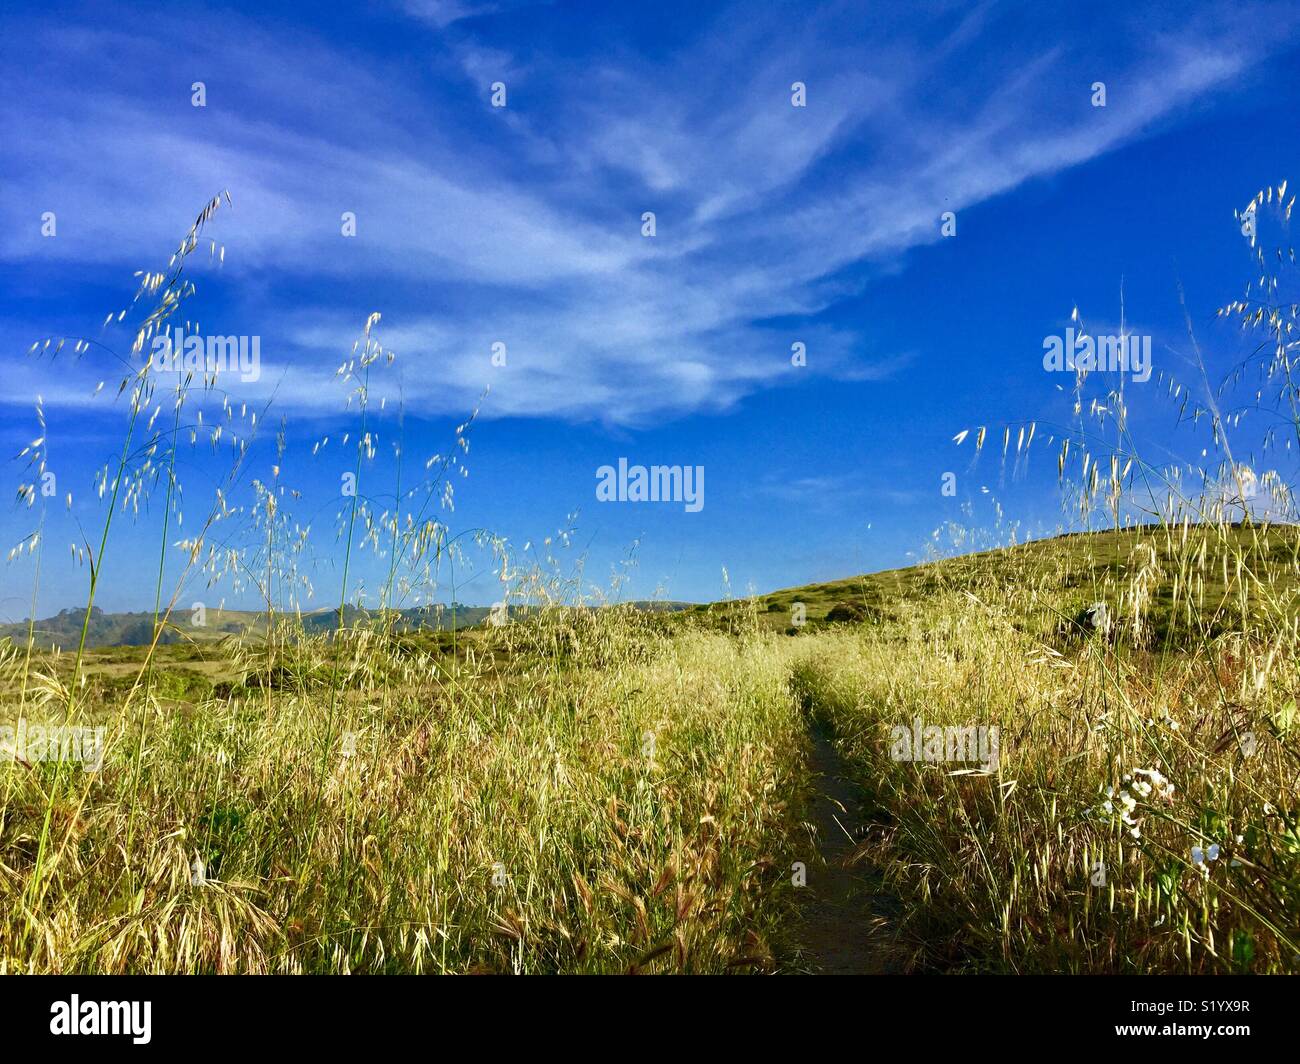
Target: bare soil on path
pixel 846 918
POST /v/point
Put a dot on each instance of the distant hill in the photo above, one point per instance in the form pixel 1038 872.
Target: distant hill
pixel 63 630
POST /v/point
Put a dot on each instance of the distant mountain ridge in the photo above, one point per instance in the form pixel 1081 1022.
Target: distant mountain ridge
pixel 63 630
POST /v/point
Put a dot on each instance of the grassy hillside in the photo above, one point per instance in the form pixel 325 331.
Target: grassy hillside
pixel 1197 581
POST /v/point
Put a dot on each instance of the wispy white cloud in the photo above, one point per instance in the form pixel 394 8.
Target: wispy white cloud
pixel 443 13
pixel 477 225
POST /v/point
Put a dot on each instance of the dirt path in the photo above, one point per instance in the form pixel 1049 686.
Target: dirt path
pixel 846 919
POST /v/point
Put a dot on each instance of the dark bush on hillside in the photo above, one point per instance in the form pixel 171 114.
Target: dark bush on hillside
pixel 846 613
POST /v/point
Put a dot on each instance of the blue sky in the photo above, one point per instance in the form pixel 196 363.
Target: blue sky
pixel 522 225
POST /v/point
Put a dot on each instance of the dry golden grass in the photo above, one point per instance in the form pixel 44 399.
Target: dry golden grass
pixel 591 820
pixel 1038 865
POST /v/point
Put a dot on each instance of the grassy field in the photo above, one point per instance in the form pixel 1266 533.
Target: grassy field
pixel 614 790
pixel 536 817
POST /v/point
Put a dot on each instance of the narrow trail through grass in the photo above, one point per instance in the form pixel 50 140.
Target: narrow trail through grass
pixel 846 921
